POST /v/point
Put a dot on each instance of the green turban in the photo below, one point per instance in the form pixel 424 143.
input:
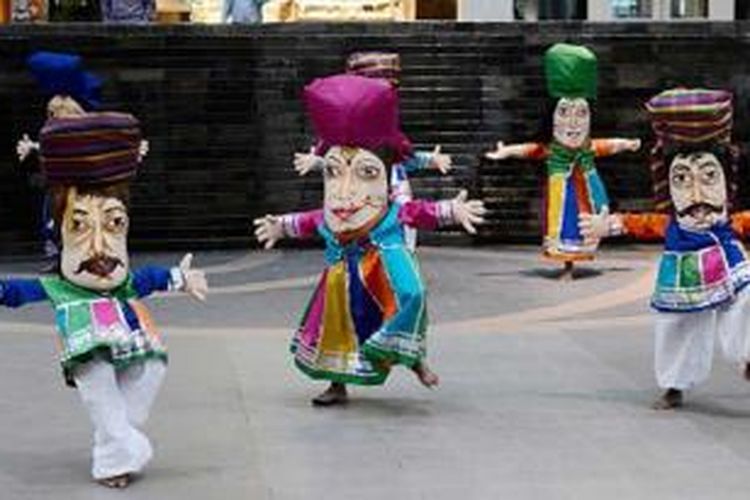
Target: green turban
pixel 571 71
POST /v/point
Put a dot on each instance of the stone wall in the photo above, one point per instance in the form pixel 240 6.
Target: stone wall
pixel 220 106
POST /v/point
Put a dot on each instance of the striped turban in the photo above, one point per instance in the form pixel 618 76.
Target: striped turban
pixel 686 120
pixel 385 65
pixel 94 149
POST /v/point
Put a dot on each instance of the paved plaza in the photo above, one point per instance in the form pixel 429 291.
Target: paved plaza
pixel 545 394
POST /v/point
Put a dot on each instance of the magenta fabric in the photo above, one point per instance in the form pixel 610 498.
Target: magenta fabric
pixel 314 318
pixel 714 269
pixel 306 223
pixel 355 111
pixel 419 214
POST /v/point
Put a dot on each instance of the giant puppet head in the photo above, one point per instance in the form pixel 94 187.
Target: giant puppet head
pixel 571 73
pixel 694 164
pixel 88 162
pixel 356 123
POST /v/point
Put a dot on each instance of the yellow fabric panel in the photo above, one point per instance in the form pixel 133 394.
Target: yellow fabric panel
pixel 338 332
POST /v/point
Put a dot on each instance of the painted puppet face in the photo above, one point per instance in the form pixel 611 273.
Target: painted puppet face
pixel 698 189
pixel 62 106
pixel 571 124
pixel 94 241
pixel 356 188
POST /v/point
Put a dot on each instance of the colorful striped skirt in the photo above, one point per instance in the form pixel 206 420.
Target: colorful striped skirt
pixel 367 313
pixel 567 195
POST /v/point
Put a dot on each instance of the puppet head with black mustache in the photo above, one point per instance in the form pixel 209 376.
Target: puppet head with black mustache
pixel 94 229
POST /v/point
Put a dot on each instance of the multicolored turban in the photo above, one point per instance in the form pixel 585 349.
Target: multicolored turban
pixel 95 149
pixel 355 111
pixel 385 65
pixel 689 120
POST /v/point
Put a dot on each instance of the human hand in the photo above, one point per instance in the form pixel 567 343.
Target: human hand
pixel 196 284
pixel 268 230
pixel 500 152
pixel 441 162
pixel 468 212
pixel 25 146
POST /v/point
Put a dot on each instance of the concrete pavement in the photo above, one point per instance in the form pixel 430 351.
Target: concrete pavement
pixel 545 393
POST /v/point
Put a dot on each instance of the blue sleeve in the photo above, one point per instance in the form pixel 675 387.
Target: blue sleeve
pixel 15 293
pixel 418 161
pixel 150 279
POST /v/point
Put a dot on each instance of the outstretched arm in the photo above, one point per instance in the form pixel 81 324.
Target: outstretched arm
pixel 608 147
pixel 645 227
pixel 422 160
pixel 741 223
pixel 272 228
pixel 432 214
pixel 182 278
pixel 530 150
pixel 15 292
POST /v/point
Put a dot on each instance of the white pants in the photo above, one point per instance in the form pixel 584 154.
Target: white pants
pixel 685 342
pixel 118 402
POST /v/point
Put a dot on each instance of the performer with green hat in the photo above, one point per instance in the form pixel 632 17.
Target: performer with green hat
pixel 573 184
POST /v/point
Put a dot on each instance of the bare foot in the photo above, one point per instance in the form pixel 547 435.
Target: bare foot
pixel 334 395
pixel 567 272
pixel 118 482
pixel 427 377
pixel 670 400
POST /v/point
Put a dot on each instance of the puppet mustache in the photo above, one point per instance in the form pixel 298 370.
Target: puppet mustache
pixel 707 206
pixel 99 265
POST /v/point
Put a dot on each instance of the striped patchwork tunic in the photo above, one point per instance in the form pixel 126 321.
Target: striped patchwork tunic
pixel 573 187
pixel 698 269
pixel 88 321
pixel 368 310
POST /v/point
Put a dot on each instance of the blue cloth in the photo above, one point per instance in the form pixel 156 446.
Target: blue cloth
pixel 700 269
pixel 242 11
pixel 17 292
pixel 128 11
pixel 62 74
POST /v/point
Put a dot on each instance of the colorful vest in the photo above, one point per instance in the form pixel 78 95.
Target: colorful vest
pixel 89 321
pixel 700 270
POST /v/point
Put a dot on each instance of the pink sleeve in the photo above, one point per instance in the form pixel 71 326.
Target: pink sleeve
pixel 302 224
pixel 426 214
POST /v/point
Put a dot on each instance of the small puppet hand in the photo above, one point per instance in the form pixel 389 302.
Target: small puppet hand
pixel 305 162
pixel 196 284
pixel 594 227
pixel 268 230
pixel 633 145
pixel 143 149
pixel 441 162
pixel 500 152
pixel 468 212
pixel 25 146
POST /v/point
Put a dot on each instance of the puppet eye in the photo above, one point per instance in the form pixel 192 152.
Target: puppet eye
pixel 332 170
pixel 117 224
pixel 78 225
pixel 368 171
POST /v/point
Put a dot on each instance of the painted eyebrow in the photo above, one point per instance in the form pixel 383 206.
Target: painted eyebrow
pixel 80 211
pixel 114 209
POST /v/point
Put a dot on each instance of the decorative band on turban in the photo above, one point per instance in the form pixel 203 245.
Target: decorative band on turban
pixel 354 111
pixel 690 119
pixel 63 74
pixel 691 115
pixel 571 71
pixel 385 65
pixel 97 148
